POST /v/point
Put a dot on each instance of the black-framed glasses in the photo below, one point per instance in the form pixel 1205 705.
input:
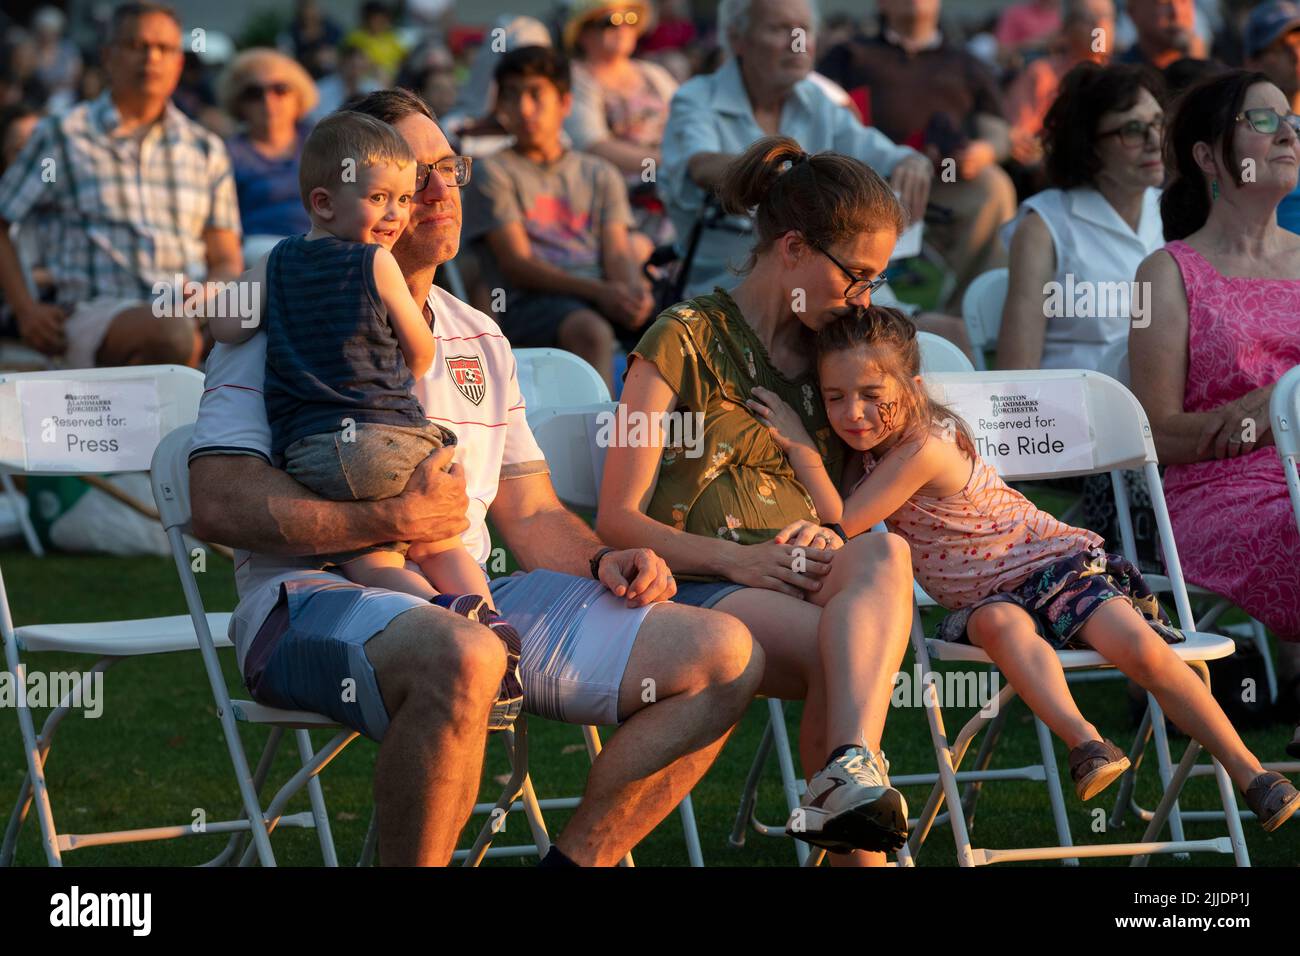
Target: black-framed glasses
pixel 1266 120
pixel 620 18
pixel 858 285
pixel 1135 132
pixel 256 92
pixel 454 171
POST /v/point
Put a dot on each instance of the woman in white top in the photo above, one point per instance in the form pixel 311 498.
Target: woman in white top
pixel 1076 247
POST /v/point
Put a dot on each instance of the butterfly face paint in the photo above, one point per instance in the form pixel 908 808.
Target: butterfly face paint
pixel 886 412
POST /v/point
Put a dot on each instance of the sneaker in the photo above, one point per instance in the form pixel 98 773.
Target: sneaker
pixel 1272 799
pixel 851 806
pixel 510 696
pixel 1094 766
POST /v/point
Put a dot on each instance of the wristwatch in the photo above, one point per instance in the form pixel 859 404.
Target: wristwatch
pixel 595 561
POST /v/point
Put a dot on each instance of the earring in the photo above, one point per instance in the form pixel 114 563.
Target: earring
pixel 1214 190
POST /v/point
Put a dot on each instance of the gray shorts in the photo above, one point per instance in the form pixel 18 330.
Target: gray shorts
pixel 576 635
pixel 376 464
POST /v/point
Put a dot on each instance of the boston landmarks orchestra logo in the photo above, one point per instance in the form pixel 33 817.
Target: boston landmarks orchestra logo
pixel 467 373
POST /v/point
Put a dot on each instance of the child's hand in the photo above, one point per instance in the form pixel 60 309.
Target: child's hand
pixel 783 422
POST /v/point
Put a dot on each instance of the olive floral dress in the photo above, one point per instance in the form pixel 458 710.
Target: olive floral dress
pixel 742 486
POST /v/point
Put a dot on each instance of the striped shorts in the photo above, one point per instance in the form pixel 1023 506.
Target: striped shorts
pixel 576 638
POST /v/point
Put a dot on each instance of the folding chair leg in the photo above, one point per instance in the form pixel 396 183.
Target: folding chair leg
pixel 1260 637
pixel 784 758
pixel 1054 795
pixel 1124 800
pixel 516 743
pixel 35 766
pixel 982 760
pixel 1164 764
pixel 317 797
pixel 690 834
pixel 372 841
pixel 749 795
pixel 20 513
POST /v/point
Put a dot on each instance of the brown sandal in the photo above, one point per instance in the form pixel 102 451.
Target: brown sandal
pixel 1272 798
pixel 1094 766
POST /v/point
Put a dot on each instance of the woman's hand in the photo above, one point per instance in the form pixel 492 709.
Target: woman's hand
pixel 803 534
pixel 1237 428
pixel 791 569
pixel 784 423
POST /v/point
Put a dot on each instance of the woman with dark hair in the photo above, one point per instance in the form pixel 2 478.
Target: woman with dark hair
pixel 1090 232
pixel 1224 326
pixel 722 504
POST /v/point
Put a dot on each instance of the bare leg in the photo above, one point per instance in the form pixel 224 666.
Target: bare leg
pixel 387 570
pixel 138 337
pixel 588 335
pixel 1006 633
pixel 453 571
pixel 706 670
pixel 438 674
pixel 1120 634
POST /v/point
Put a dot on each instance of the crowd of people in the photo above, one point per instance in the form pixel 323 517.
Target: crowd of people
pixel 766 165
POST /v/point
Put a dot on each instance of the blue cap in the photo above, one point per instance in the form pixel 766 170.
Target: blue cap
pixel 1268 21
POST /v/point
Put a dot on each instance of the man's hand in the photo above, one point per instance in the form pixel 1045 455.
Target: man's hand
pixel 975 158
pixel 622 306
pixel 649 576
pixel 41 327
pixel 434 504
pixel 911 179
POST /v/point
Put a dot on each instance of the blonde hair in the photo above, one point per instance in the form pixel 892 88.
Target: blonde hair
pixel 344 136
pixel 235 76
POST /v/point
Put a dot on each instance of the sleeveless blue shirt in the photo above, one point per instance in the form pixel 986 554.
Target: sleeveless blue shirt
pixel 330 352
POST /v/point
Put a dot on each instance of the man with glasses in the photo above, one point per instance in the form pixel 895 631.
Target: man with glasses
pixel 128 196
pixel 418 678
pixel 1273 47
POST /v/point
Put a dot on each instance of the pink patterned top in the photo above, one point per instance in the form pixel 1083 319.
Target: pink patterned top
pixel 984 539
pixel 1232 517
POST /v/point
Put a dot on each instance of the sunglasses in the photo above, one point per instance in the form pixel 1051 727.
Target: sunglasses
pixel 858 285
pixel 255 93
pixel 1135 132
pixel 454 171
pixel 622 18
pixel 1265 120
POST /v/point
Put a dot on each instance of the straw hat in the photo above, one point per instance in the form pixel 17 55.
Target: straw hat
pixel 582 12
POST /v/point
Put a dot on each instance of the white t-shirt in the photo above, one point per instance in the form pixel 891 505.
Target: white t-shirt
pixel 471 387
pixel 1092 244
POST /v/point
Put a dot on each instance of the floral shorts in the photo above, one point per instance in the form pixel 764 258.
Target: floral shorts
pixel 1062 596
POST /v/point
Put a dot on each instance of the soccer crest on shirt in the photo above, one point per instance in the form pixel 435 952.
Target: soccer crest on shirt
pixel 467 373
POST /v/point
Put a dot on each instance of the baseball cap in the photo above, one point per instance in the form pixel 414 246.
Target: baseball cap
pixel 1268 21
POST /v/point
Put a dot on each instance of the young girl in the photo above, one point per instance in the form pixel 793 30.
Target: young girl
pixel 1020 583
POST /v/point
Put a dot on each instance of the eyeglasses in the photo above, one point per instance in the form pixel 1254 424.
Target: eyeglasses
pixel 1265 120
pixel 454 171
pixel 622 18
pixel 255 93
pixel 1135 132
pixel 858 285
pixel 142 48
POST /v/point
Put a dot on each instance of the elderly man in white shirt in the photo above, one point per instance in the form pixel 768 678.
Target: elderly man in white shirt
pixel 422 679
pixel 767 87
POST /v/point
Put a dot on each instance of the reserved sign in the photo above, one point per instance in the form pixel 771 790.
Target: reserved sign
pixel 1026 427
pixel 89 426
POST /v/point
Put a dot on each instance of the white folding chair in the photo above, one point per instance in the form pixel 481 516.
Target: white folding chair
pixel 168 396
pixel 170 479
pixel 940 355
pixel 981 310
pixel 1118 437
pixel 554 378
pixel 1284 413
pixel 576 462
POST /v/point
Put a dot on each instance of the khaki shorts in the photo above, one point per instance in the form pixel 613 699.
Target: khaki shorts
pixel 87 326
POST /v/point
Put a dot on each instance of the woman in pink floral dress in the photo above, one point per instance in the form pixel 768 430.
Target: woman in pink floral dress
pixel 1224 327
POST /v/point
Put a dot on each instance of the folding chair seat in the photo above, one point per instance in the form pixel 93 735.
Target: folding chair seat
pixel 554 378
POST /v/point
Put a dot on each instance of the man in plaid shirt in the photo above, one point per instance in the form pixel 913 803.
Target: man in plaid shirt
pixel 127 197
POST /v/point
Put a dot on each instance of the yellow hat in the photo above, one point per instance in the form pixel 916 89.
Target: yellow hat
pixel 582 12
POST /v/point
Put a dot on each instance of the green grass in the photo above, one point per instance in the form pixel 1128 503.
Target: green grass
pixel 156 754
